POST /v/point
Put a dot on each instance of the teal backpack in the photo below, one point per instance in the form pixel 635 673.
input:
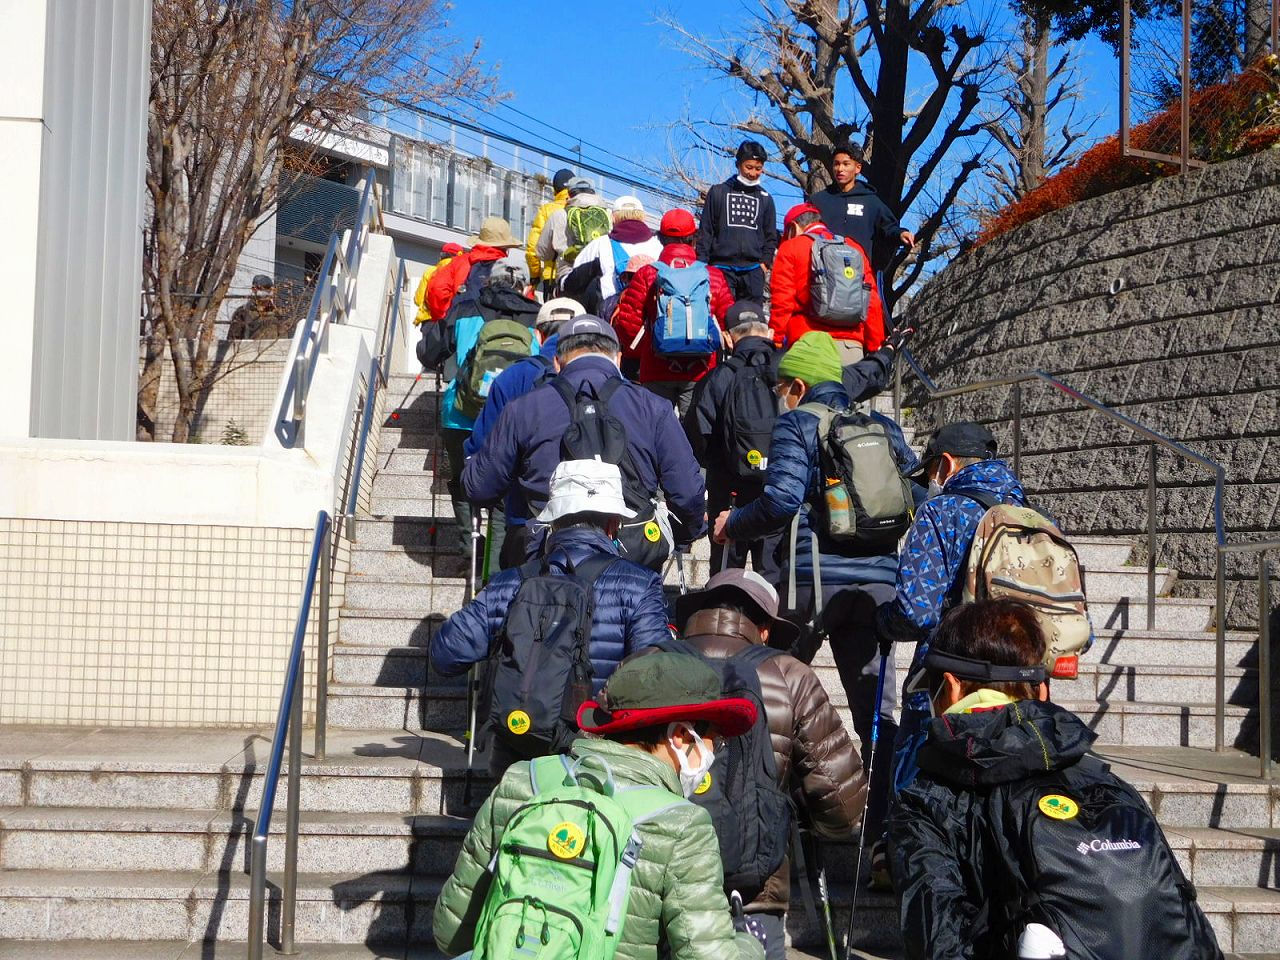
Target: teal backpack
pixel 561 871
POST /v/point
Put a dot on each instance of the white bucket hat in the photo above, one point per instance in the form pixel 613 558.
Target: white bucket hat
pixel 586 486
pixel 628 203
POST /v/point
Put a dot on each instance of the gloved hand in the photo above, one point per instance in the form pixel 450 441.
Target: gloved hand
pixel 744 923
pixel 898 339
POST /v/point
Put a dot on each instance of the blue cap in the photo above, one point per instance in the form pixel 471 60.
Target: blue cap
pixel 586 323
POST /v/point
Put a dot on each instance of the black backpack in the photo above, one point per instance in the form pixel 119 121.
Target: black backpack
pixel 438 348
pixel 595 434
pixel 540 664
pixel 1093 865
pixel 752 815
pixel 750 411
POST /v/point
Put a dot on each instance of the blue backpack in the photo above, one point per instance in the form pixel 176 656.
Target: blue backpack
pixel 683 326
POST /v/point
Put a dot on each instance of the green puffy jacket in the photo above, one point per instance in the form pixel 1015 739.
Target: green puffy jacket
pixel 677 892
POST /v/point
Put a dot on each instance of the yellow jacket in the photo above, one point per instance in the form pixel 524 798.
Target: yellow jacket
pixel 540 269
pixel 420 295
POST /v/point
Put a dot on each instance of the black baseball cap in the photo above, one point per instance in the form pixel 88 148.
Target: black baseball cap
pixel 963 439
pixel 586 323
pixel 744 311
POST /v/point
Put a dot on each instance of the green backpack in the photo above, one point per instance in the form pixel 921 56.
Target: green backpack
pixel 499 344
pixel 584 224
pixel 561 871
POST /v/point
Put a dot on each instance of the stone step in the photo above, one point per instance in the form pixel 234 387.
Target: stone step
pixel 1118 583
pixel 409 485
pixel 192 906
pixel 415 436
pixel 385 629
pixel 1102 551
pixel 424 598
pixel 1182 614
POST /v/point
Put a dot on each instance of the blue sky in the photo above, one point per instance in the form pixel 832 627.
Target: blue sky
pixel 612 75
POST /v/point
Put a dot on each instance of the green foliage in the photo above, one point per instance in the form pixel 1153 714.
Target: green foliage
pixel 234 435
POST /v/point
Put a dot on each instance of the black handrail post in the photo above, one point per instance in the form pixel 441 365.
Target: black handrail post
pixel 289 892
pixel 1017 430
pixel 322 643
pixel 1152 545
pixel 1264 665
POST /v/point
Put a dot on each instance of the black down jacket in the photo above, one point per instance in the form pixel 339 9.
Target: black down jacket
pixel 1011 822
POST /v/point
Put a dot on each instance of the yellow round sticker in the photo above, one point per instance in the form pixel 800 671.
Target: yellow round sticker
pixel 518 722
pixel 703 785
pixel 1059 807
pixel 754 457
pixel 652 532
pixel 566 840
pixel 848 273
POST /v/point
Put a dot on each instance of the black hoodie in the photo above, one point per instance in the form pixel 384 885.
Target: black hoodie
pixel 739 225
pixel 499 301
pixel 1011 821
pixel 863 217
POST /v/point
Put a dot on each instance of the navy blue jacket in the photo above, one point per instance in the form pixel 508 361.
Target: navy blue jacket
pixel 738 226
pixel 862 216
pixel 630 611
pixel 794 478
pixel 523 449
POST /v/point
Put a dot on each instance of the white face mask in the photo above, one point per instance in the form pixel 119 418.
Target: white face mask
pixel 691 773
pixel 935 488
pixel 783 406
pixel 748 182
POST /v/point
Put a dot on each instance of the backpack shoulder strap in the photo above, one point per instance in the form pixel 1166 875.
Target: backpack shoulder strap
pixel 611 386
pixel 986 500
pixel 566 391
pixel 679 645
pixel 756 654
pixel 592 568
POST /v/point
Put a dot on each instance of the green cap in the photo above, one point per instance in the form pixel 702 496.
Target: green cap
pixel 814 359
pixel 663 687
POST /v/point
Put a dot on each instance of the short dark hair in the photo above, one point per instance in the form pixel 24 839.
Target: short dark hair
pixel 651 736
pixel 595 342
pixel 853 150
pixel 806 220
pixel 1004 633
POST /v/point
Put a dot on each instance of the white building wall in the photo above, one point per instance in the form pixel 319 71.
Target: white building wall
pixel 22 45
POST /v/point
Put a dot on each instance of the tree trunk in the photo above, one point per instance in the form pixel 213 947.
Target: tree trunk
pixel 1035 104
pixel 1257 35
pixel 149 383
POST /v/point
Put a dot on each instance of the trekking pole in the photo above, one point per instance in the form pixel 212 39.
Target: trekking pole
pixel 824 894
pixel 862 830
pixel 802 864
pixel 473 676
pixel 684 587
pixel 724 548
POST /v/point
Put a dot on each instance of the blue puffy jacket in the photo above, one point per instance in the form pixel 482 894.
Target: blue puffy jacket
pixel 795 478
pixel 523 449
pixel 630 611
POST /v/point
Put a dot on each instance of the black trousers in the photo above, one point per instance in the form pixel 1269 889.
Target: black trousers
pixel 765 553
pixel 745 284
pixel 849 612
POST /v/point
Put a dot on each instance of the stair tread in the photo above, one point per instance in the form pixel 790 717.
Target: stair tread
pixel 233 884
pixel 312 822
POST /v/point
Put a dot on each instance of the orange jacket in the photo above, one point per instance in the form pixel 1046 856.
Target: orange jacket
pixel 445 282
pixel 789 311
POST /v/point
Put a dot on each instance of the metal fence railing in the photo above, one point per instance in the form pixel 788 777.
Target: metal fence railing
pixel 1189 77
pixel 1154 441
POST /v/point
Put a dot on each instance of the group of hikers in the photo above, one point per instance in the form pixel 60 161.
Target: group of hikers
pixel 658 766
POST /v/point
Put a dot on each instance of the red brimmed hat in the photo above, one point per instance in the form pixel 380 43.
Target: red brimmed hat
pixel 452 249
pixel 660 688
pixel 678 223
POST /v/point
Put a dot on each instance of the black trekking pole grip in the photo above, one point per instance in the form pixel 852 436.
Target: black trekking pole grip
pixel 862 829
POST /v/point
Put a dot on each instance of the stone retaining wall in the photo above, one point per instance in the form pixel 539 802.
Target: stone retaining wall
pixel 1160 301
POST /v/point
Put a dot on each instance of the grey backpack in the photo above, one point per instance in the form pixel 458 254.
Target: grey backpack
pixel 839 292
pixel 866 501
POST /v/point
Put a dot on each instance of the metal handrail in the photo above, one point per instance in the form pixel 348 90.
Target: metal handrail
pixel 1263 548
pixel 288 723
pixel 330 303
pixel 1154 440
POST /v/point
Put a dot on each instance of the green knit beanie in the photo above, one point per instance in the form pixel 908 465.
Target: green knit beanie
pixel 814 359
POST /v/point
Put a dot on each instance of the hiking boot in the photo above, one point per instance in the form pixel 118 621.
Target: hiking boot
pixel 880 866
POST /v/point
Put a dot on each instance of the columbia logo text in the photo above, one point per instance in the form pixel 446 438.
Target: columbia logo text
pixel 1106 846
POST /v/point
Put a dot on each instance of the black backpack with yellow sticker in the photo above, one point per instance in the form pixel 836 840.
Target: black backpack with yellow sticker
pixel 1093 865
pixel 749 416
pixel 751 813
pixel 540 664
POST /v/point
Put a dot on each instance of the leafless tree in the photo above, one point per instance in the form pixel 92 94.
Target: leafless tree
pixel 1037 122
pixel 230 81
pixel 906 77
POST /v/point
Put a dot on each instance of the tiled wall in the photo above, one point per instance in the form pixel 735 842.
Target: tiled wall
pixel 246 375
pixel 137 624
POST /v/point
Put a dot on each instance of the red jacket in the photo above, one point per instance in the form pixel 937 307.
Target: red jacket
pixel 638 309
pixel 789 296
pixel 446 281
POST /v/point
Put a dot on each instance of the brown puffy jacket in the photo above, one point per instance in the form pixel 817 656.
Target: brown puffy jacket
pixel 813 751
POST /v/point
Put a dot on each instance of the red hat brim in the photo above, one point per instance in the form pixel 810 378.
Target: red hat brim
pixel 731 717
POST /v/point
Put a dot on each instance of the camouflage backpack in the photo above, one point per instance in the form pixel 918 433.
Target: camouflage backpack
pixel 1020 554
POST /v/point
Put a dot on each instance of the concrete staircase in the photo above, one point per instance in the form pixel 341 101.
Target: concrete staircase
pixel 127 843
